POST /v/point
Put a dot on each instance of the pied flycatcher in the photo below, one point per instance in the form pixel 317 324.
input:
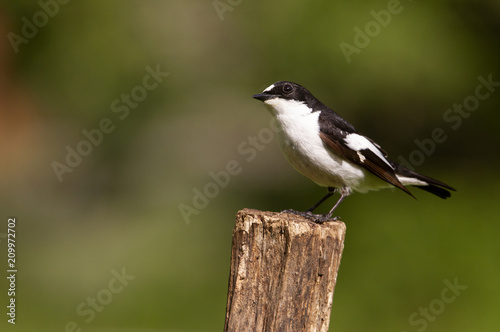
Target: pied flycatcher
pixel 327 149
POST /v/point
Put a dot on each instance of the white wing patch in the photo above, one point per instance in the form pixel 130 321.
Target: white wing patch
pixel 269 88
pixel 358 142
pixel 361 157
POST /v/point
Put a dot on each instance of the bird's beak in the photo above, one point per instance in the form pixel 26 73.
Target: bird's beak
pixel 263 96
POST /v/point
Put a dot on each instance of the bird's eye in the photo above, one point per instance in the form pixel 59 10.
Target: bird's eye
pixel 287 88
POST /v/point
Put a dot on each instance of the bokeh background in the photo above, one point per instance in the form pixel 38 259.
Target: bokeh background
pixel 118 211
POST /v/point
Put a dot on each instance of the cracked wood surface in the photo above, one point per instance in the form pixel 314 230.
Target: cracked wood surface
pixel 283 272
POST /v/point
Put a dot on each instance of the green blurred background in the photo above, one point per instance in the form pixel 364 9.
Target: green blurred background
pixel 118 210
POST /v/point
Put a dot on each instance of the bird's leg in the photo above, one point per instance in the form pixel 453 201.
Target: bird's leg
pixel 320 218
pixel 308 214
pixel 331 190
pixel 344 192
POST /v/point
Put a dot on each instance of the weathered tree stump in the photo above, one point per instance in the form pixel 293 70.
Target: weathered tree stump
pixel 283 272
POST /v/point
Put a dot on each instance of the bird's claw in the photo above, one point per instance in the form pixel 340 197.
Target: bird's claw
pixel 317 218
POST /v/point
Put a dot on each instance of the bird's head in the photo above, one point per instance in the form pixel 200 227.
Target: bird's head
pixel 285 96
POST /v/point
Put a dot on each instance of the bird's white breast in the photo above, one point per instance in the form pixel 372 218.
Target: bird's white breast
pixel 300 141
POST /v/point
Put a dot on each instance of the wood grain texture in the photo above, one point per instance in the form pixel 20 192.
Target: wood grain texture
pixel 283 272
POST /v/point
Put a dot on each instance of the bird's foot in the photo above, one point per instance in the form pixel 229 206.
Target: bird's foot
pixel 306 214
pixel 317 218
pixel 324 218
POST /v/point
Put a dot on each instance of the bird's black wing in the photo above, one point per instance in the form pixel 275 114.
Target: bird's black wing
pixel 333 132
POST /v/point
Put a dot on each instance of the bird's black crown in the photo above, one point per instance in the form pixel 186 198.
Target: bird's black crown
pixel 290 91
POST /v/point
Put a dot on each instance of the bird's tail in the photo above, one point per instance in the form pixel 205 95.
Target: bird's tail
pixel 436 187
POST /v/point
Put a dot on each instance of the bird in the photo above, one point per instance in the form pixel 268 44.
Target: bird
pixel 327 149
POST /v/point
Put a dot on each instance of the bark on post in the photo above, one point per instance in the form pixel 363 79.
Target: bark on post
pixel 283 272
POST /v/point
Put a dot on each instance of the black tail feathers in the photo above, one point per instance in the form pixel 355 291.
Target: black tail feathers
pixel 438 191
pixel 433 186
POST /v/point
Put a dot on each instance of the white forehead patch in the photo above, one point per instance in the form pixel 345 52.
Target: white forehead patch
pixel 269 88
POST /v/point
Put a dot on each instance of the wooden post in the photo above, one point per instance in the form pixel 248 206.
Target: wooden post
pixel 283 272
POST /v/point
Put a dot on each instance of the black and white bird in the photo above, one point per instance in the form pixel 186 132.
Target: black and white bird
pixel 327 149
